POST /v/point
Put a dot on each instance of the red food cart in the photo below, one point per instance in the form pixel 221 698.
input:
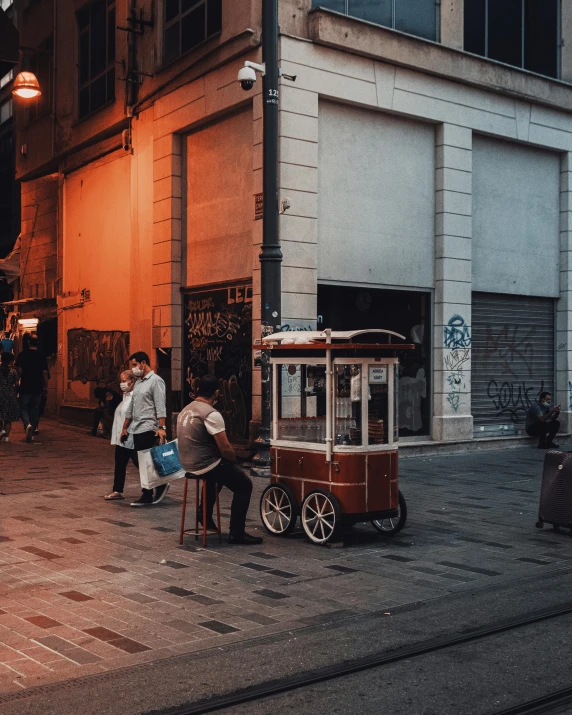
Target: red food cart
pixel 334 436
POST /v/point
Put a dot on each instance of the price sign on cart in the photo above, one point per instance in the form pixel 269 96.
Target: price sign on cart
pixel 377 375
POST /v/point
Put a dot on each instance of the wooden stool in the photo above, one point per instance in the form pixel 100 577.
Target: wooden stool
pixel 195 531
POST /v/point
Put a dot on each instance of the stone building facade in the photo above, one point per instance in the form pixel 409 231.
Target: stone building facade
pixel 428 190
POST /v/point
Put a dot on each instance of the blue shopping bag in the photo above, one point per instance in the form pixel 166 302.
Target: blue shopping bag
pixel 166 459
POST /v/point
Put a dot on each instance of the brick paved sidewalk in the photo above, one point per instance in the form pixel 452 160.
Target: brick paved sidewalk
pixel 88 586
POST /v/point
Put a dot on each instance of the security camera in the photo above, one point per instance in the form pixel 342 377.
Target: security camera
pixel 247 78
pixel 247 74
pixel 126 140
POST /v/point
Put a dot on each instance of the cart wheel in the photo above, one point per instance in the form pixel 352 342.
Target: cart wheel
pixel 556 528
pixel 540 524
pixel 321 515
pixel 393 525
pixel 278 509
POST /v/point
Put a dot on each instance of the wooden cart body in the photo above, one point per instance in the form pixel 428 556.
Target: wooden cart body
pixel 352 451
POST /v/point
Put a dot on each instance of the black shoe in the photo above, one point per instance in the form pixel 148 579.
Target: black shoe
pixel 143 500
pixel 244 538
pixel 160 493
pixel 551 445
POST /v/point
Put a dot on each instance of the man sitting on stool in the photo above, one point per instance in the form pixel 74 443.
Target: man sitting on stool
pixel 541 421
pixel 205 452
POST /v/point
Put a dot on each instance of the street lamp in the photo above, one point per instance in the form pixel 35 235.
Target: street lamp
pixel 26 85
pixel 270 254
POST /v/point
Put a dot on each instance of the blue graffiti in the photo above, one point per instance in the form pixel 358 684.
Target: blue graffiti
pixel 456 334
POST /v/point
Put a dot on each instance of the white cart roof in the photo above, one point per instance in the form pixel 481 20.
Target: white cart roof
pixel 312 336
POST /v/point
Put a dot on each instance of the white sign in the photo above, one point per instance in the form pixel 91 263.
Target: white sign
pixel 377 375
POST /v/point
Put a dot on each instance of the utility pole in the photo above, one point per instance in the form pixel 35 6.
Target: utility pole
pixel 270 254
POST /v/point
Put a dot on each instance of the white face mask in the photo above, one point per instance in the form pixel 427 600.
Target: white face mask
pixel 137 371
pixel 125 386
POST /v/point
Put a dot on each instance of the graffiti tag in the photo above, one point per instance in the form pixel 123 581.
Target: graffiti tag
pixel 456 333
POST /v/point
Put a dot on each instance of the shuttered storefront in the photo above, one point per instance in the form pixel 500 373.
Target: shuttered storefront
pixel 512 360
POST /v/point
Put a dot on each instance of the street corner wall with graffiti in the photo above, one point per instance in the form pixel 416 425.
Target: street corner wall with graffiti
pixel 218 341
pixel 457 364
pixel 96 356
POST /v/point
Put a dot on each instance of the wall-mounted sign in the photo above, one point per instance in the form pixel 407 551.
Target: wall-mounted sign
pixel 258 206
pixel 377 375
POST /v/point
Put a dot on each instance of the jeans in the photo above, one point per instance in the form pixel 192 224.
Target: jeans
pixel 142 441
pixel 545 431
pixel 229 475
pixel 30 408
pixel 122 457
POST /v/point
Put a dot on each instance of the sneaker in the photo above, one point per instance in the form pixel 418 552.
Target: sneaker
pixel 29 433
pixel 551 445
pixel 2 433
pixel 6 439
pixel 160 493
pixel 36 431
pixel 244 538
pixel 143 500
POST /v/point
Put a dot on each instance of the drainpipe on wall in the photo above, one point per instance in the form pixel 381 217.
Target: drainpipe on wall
pixel 270 254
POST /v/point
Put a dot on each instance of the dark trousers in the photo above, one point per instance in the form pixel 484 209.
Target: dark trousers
pixel 30 408
pixel 227 474
pixel 122 457
pixel 545 431
pixel 145 440
pixel 97 417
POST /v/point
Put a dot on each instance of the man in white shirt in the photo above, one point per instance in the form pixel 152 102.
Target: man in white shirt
pixel 124 450
pixel 205 451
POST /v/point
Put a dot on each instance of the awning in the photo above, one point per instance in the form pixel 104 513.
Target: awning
pixel 10 266
pixel 9 42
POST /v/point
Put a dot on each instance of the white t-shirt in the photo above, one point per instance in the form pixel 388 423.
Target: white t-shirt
pixel 214 424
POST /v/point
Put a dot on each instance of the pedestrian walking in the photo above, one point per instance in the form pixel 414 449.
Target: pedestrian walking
pixel 124 450
pixel 145 417
pixel 205 452
pixel 32 368
pixel 542 422
pixel 9 407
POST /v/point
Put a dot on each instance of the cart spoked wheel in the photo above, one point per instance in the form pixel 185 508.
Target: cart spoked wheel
pixel 321 516
pixel 393 525
pixel 278 509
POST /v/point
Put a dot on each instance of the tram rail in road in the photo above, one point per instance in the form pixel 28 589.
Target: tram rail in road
pixel 269 689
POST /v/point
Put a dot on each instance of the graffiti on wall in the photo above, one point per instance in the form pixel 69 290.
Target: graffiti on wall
pixel 457 342
pixel 456 333
pixel 511 347
pixel 513 399
pixel 97 355
pixel 218 341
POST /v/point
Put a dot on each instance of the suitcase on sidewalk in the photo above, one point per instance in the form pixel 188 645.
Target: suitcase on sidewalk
pixel 556 491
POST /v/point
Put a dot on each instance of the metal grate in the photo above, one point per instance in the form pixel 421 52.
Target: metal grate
pixel 512 359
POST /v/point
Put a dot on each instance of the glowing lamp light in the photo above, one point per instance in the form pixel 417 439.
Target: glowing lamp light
pixel 28 323
pixel 26 85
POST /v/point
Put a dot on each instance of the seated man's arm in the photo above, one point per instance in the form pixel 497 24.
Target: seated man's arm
pixel 224 447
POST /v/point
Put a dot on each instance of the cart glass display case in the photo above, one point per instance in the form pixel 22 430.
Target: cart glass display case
pixel 301 403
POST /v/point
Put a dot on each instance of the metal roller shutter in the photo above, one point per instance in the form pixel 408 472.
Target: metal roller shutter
pixel 512 359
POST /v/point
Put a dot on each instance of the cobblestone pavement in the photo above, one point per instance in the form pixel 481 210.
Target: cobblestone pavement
pixel 88 586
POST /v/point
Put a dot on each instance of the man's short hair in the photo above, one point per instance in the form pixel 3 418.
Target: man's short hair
pixel 140 357
pixel 208 385
pixel 33 342
pixel 543 395
pixel 128 374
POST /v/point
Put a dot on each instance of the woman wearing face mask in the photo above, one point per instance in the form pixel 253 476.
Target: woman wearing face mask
pixel 124 451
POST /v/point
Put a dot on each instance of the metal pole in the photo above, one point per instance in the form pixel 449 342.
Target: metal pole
pixel 270 254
